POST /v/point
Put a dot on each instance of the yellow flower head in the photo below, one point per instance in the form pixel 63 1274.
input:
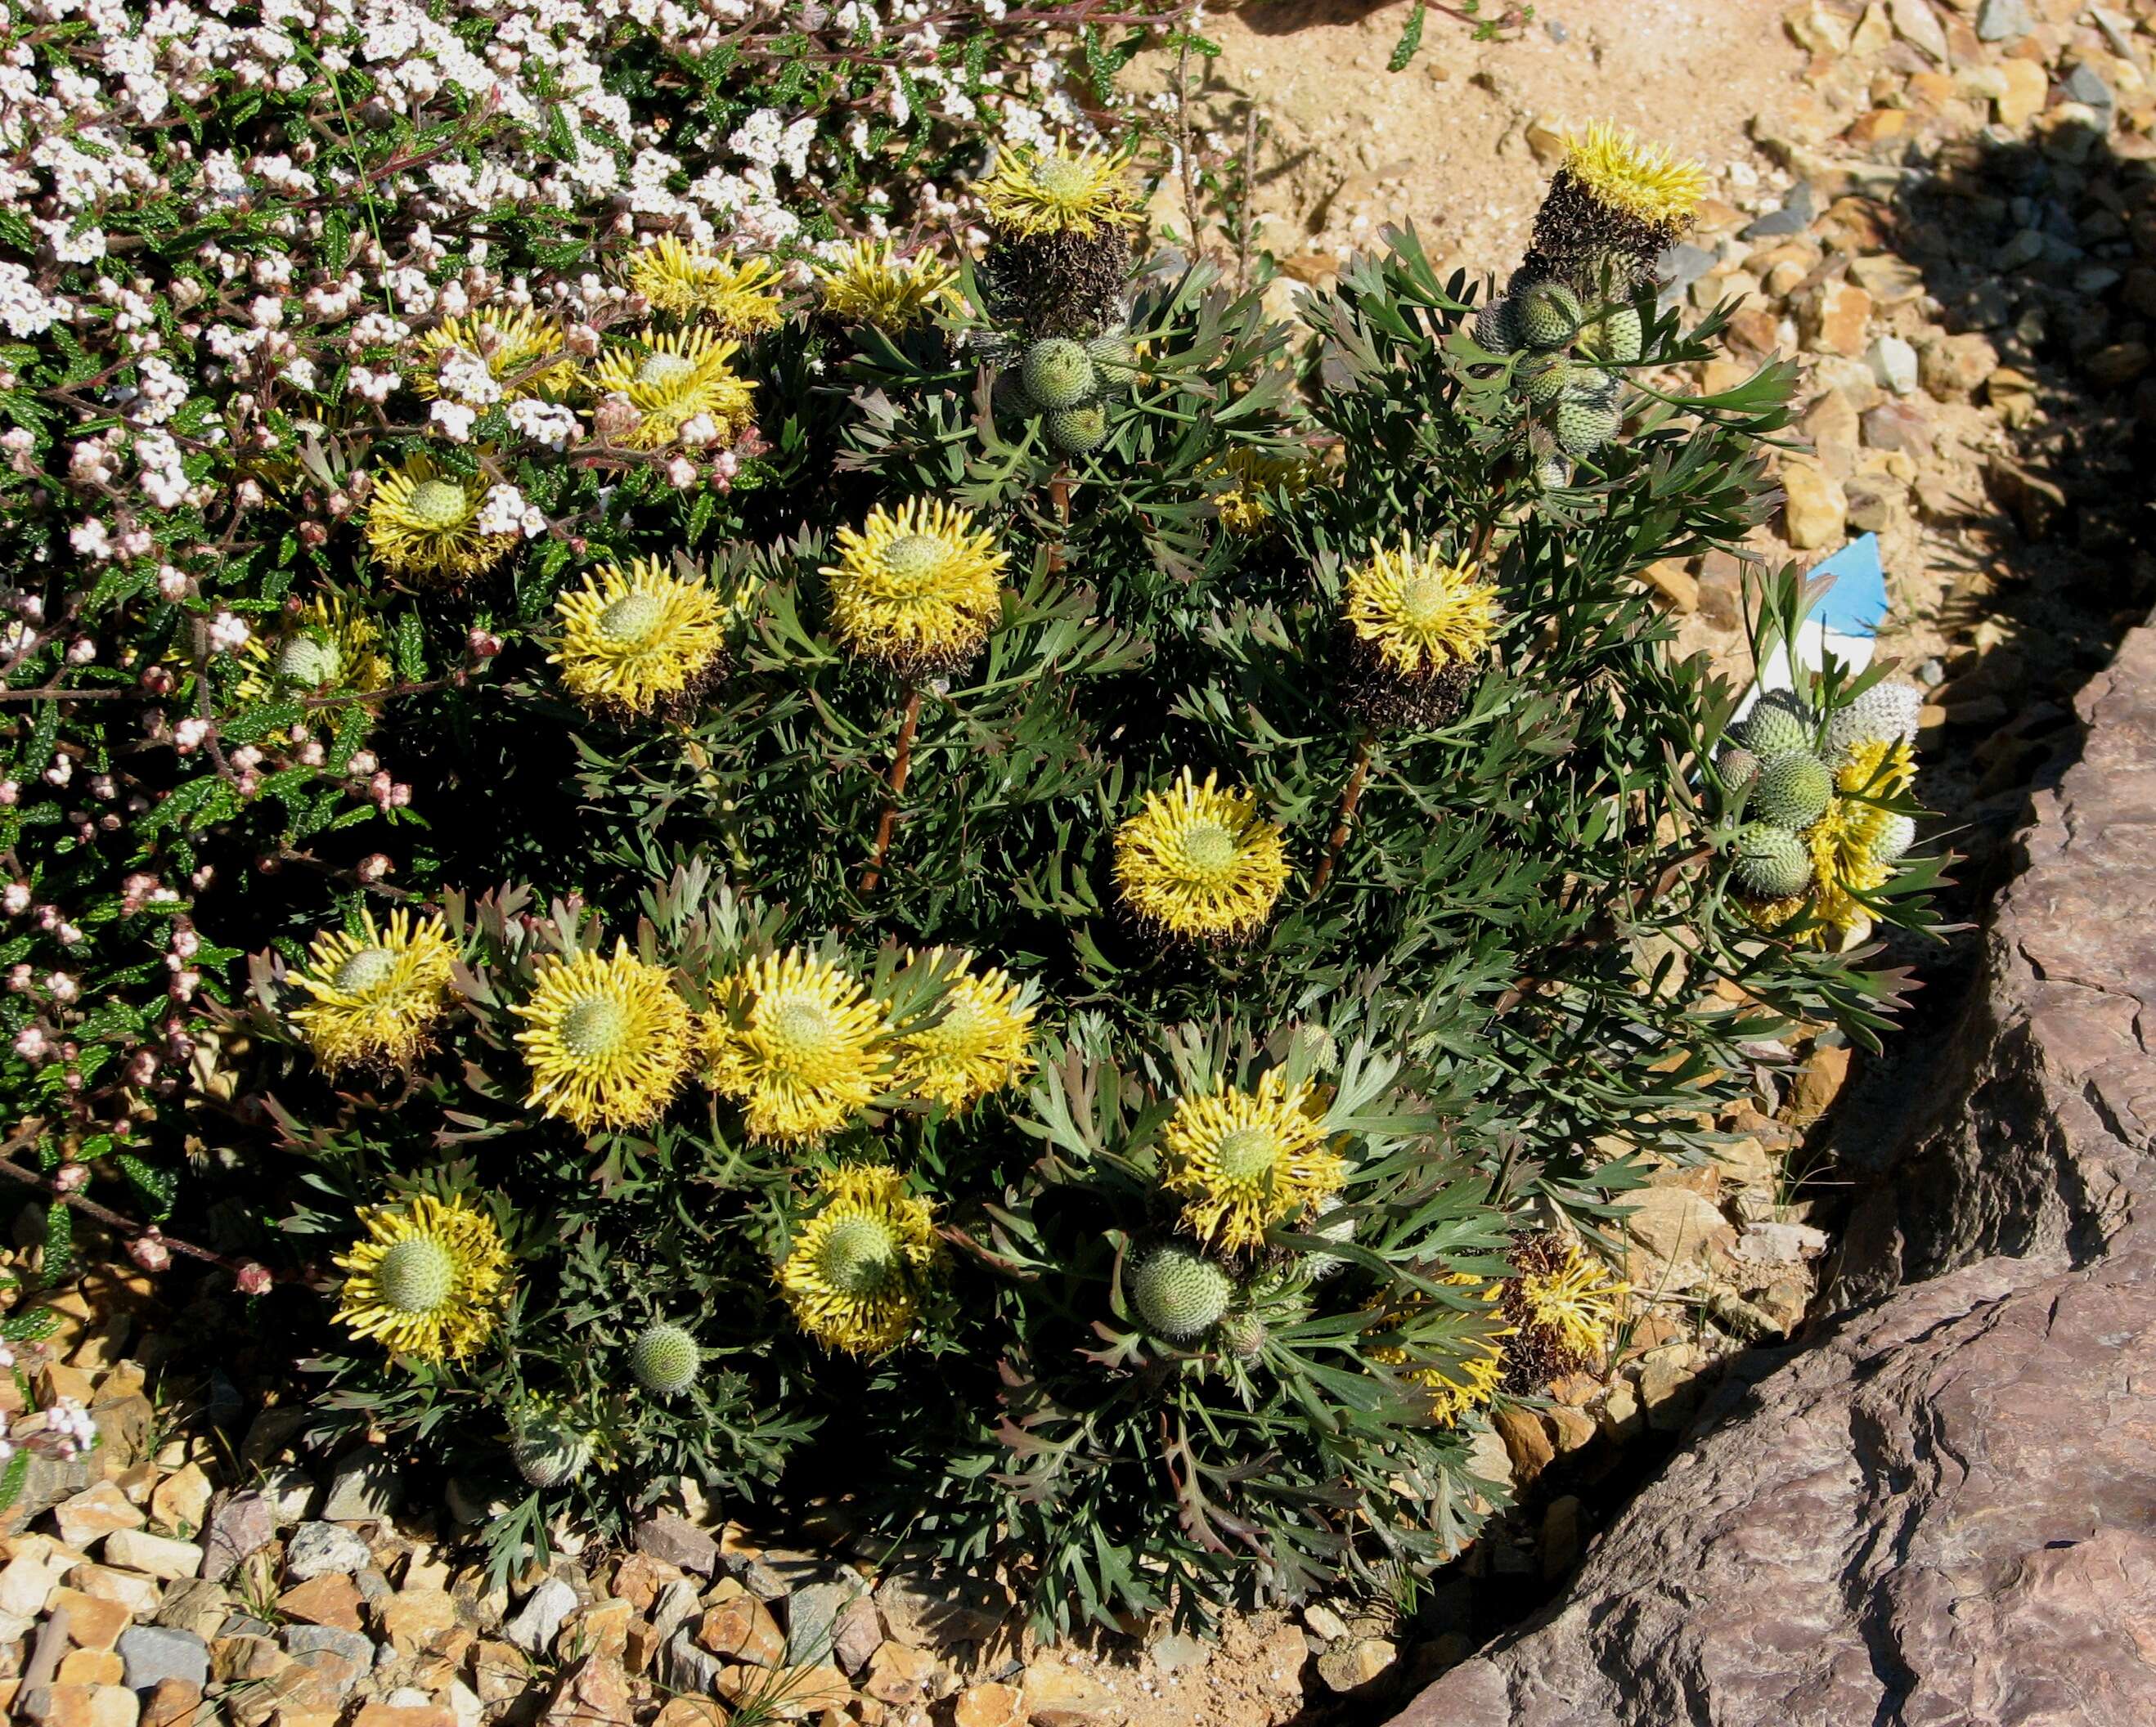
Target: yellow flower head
pixel 1457 1386
pixel 376 997
pixel 328 647
pixel 1059 190
pixel 678 380
pixel 1420 613
pixel 1571 1304
pixel 1244 506
pixel 857 1272
pixel 429 1281
pixel 425 524
pixel 797 1043
pixel 631 640
pixel 1845 845
pixel 981 1043
pixel 520 351
pixel 1245 1160
pixel 1200 862
pixel 869 284
pixel 1617 170
pixel 607 1039
pixel 917 589
pixel 742 299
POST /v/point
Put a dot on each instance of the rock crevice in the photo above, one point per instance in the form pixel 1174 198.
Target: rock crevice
pixel 1941 1510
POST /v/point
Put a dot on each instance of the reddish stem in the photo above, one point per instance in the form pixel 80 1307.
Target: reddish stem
pixel 1357 771
pixel 901 765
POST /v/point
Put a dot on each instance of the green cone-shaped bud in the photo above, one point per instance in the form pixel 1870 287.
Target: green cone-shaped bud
pixel 1178 1293
pixel 547 1450
pixel 1584 423
pixel 1883 713
pixel 1321 1045
pixel 665 1361
pixel 1739 765
pixel 1076 430
pixel 1497 326
pixel 308 662
pixel 1894 839
pixel 1333 1224
pixel 1549 314
pixel 1058 373
pixel 1615 335
pixel 1792 790
pixel 1244 1335
pixel 1772 862
pixel 1553 473
pixel 1544 376
pixel 417 1275
pixel 1777 725
pixel 1113 357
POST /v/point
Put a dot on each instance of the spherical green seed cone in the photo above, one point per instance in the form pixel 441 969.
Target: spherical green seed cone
pixel 1497 326
pixel 548 1451
pixel 1244 1335
pixel 665 1361
pixel 1777 725
pixel 1549 314
pixel 1615 335
pixel 1076 430
pixel 1885 713
pixel 1332 1223
pixel 1322 1046
pixel 1544 376
pixel 417 1275
pixel 307 662
pixel 1894 839
pixel 1058 373
pixel 1113 357
pixel 1772 862
pixel 1553 473
pixel 1739 765
pixel 1179 1293
pixel 1792 790
pixel 1583 424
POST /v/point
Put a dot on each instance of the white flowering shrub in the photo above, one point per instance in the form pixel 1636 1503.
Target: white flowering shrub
pixel 252 256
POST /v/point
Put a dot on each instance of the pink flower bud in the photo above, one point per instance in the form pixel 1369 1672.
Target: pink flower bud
pixel 252 1280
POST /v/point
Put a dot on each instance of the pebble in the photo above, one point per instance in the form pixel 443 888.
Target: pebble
pixel 240 1526
pixel 154 1653
pixel 157 1555
pixel 2002 21
pixel 678 1542
pixel 353 1646
pixel 95 1512
pixel 1797 213
pixel 364 1488
pixel 321 1549
pixel 540 1617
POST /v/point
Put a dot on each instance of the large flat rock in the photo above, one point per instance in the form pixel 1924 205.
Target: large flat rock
pixel 1942 1512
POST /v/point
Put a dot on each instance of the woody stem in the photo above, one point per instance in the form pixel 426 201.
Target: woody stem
pixel 1358 769
pixel 901 765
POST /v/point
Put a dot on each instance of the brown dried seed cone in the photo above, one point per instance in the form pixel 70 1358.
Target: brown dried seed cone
pixel 1057 284
pixel 1377 693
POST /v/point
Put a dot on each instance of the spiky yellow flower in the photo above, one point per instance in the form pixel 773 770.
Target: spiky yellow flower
pixel 981 1043
pixel 917 589
pixel 678 380
pixel 1575 1304
pixel 1244 506
pixel 607 1040
pixel 741 298
pixel 857 1272
pixel 376 996
pixel 1644 180
pixel 1420 614
pixel 869 284
pixel 1245 1160
pixel 520 351
pixel 1199 862
pixel 425 523
pixel 1059 190
pixel 429 1281
pixel 327 648
pixel 1455 1387
pixel 1843 844
pixel 630 641
pixel 797 1043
